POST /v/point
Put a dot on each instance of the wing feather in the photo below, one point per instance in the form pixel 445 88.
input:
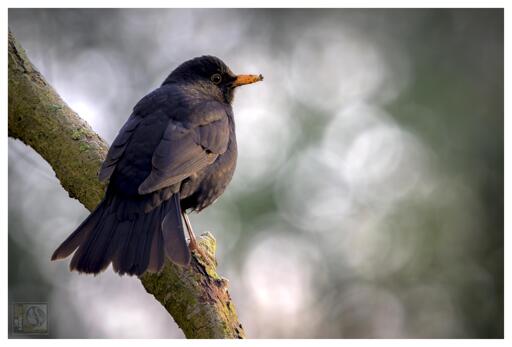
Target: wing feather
pixel 118 147
pixel 183 151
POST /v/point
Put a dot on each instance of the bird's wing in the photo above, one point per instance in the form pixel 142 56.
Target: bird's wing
pixel 183 151
pixel 118 147
pixel 147 105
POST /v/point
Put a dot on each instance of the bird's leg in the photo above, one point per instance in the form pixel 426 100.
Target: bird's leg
pixel 193 242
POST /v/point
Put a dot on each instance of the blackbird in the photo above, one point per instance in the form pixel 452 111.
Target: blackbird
pixel 176 153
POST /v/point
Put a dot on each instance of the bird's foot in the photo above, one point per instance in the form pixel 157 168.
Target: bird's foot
pixel 193 245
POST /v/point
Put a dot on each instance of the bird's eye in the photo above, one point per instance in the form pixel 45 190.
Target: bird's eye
pixel 216 78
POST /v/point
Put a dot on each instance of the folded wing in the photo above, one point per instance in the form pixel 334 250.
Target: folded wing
pixel 184 151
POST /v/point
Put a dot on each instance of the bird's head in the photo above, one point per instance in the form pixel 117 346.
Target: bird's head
pixel 211 74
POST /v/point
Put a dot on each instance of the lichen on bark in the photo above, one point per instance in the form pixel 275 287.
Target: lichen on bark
pixel 195 296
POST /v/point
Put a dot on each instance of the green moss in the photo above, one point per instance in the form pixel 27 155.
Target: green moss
pixel 76 134
pixel 84 147
pixel 208 243
pixel 55 107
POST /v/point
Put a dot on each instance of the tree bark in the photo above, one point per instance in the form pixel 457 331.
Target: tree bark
pixel 195 296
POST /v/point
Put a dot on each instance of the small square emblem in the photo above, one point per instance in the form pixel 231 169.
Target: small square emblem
pixel 30 318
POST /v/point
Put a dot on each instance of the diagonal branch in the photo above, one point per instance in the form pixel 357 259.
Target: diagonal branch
pixel 196 297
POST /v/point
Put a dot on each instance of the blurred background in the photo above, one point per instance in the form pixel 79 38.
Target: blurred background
pixel 368 197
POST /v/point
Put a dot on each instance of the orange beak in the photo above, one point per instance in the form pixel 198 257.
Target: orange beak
pixel 246 79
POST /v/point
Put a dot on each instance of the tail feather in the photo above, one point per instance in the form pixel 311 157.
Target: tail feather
pixel 131 246
pixel 123 234
pixel 118 236
pixel 81 255
pixel 175 244
pixel 80 234
pixel 132 242
pixel 119 261
pixel 143 250
pixel 90 257
pixel 156 254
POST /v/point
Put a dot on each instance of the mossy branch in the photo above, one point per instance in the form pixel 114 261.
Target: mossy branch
pixel 196 297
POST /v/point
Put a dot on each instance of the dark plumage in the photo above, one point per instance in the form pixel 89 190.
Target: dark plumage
pixel 176 152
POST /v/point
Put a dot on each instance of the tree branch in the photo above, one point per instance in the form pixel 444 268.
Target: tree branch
pixel 196 296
